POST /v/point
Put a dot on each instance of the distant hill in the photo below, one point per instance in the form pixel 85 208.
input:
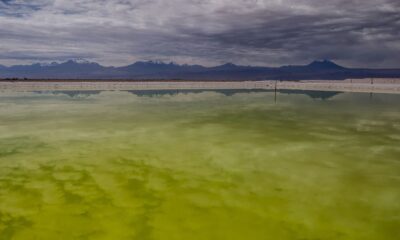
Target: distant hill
pixel 80 69
pixel 324 65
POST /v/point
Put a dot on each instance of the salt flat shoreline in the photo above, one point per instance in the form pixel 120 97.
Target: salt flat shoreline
pixel 370 85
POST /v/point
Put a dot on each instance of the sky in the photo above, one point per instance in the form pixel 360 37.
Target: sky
pixel 355 33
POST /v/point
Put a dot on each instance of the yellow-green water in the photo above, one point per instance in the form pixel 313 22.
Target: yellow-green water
pixel 204 165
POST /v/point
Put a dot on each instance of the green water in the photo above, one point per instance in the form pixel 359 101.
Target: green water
pixel 202 165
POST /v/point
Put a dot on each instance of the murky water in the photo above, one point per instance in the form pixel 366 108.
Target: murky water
pixel 199 165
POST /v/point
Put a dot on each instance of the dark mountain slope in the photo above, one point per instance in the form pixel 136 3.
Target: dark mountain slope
pixel 158 70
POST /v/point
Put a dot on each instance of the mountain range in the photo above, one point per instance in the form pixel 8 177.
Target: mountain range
pixel 78 69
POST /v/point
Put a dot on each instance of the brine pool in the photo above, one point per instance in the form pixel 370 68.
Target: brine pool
pixel 199 165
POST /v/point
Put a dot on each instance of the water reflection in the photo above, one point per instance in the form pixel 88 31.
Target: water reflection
pixel 199 165
pixel 227 92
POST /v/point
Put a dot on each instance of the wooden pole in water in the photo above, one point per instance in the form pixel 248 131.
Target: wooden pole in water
pixel 371 94
pixel 276 83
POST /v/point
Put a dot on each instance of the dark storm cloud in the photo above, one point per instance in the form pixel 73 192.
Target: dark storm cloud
pixel 372 36
pixel 274 32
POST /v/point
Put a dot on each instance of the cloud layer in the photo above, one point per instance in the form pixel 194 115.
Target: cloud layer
pixel 362 33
